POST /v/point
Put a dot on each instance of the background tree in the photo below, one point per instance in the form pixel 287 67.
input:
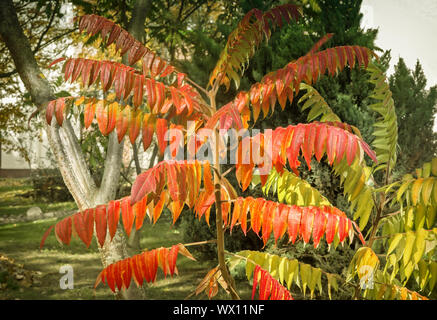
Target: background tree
pixel 63 140
pixel 416 108
pixel 43 23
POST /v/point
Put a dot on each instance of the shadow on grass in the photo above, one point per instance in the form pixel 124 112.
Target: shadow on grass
pixel 16 198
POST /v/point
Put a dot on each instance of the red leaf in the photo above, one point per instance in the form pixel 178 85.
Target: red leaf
pixel 269 212
pixel 306 224
pixel 56 61
pixel 268 286
pixel 84 225
pixel 113 217
pixel 144 184
pixel 117 275
pixel 44 237
pixel 136 268
pixel 280 221
pixel 126 273
pixel 351 150
pixel 122 122
pixel 294 223
pixel 86 72
pixel 102 117
pixel 127 215
pixel 309 141
pixel 151 98
pixel 341 145
pixel 109 274
pixel 63 230
pixel 172 256
pixel 68 68
pixel 113 111
pixel 134 125
pixel 320 145
pixel 160 97
pixel 342 232
pixel 161 129
pixel 77 69
pixel 148 130
pixel 59 110
pixel 49 111
pixel 369 151
pixel 350 56
pixel 168 70
pixel 157 210
pixel 90 109
pixel 318 227
pixel 101 225
pixel 331 226
pixel 138 90
pixel 331 145
pixel 294 148
pixel 140 212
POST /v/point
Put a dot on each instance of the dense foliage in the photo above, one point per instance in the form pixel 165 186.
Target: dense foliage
pixel 388 223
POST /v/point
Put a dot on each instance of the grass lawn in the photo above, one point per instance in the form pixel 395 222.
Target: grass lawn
pixel 21 242
pixel 16 198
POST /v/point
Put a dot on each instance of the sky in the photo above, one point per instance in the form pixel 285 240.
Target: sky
pixel 408 28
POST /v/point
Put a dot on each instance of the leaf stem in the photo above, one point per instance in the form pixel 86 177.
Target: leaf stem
pixel 218 211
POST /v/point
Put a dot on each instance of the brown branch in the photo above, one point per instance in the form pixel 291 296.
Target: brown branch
pixel 49 25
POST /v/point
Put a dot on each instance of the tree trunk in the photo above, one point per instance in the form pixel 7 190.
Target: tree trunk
pixel 63 141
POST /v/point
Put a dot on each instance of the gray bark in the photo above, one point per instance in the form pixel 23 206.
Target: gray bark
pixel 63 141
pixel 139 13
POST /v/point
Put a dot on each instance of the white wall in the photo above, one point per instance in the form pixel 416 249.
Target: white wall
pixel 38 155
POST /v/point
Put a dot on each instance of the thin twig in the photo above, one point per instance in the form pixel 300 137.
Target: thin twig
pixel 196 85
pixel 200 243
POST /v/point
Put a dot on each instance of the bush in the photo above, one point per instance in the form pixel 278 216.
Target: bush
pixel 49 185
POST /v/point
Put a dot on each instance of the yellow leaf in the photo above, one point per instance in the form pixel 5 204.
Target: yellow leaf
pixel 423 274
pixel 409 243
pixel 332 282
pixel 79 101
pixel 426 169
pixel 419 245
pixel 420 216
pixel 430 216
pixel 283 269
pixel 426 190
pixel 408 179
pixel 409 219
pixel 434 193
pixel 394 243
pixel 305 275
pixel 316 276
pixel 433 274
pixel 415 190
pixel 292 270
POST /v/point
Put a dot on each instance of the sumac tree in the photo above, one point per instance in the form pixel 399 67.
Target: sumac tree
pixel 394 221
